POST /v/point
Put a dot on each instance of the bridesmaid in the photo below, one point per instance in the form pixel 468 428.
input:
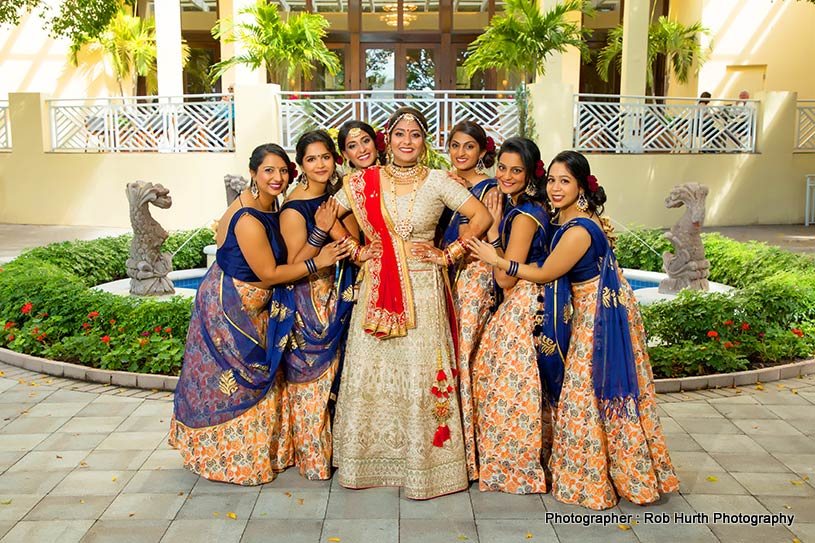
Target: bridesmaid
pixel 323 302
pixel 471 153
pixel 230 417
pixel 518 368
pixel 608 440
pixel 360 145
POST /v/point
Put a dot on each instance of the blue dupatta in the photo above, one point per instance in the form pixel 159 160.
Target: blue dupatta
pixel 315 344
pixel 228 367
pixel 553 310
pixel 614 371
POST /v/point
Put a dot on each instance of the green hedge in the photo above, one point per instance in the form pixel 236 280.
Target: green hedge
pixel 770 318
pixel 49 310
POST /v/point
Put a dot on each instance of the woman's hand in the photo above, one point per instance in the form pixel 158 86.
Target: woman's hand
pixel 458 179
pixel 326 214
pixel 495 205
pixel 426 252
pixel 331 254
pixel 371 250
pixel 483 251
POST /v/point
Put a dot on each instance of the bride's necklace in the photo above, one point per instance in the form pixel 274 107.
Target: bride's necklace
pixel 405 175
pixel 403 226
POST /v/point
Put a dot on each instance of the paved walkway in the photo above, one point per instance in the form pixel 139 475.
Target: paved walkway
pixel 86 462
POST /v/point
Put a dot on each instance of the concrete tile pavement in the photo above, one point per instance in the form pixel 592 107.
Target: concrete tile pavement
pixel 95 466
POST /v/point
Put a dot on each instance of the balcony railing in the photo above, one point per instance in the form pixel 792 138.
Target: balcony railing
pixel 655 124
pixel 172 124
pixel 805 138
pixel 5 127
pixel 494 110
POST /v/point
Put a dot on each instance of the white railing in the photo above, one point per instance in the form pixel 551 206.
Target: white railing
pixel 655 124
pixel 5 126
pixel 494 110
pixel 805 137
pixel 200 122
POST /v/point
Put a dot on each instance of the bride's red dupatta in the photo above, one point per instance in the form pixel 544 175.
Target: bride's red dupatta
pixel 389 310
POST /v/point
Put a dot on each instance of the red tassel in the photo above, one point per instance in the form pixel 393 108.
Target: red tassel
pixel 449 388
pixel 441 376
pixel 442 435
pixel 435 392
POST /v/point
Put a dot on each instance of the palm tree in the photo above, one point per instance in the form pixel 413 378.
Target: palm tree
pixel 286 49
pixel 680 44
pixel 522 39
pixel 128 44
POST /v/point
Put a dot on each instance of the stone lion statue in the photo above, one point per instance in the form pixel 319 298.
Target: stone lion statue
pixel 687 266
pixel 147 266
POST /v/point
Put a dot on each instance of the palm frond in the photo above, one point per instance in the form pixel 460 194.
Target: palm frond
pixel 523 38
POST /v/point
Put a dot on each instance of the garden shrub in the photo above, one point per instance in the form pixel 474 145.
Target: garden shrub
pixel 767 320
pixel 48 310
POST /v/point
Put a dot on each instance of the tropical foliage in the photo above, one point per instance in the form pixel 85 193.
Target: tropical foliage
pixel 681 45
pixel 523 38
pixel 286 49
pixel 129 46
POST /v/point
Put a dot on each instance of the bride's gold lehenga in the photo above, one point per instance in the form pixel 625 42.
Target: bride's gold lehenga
pixel 398 396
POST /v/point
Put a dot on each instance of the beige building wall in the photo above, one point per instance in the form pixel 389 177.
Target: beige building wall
pixel 31 61
pixel 42 187
pixel 766 187
pixel 755 45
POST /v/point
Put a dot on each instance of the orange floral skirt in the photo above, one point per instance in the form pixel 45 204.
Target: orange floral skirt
pixel 311 424
pixel 593 461
pixel 473 299
pixel 247 450
pixel 513 430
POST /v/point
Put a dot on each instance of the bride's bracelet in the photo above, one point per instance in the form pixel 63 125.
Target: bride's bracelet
pixel 454 252
pixel 356 248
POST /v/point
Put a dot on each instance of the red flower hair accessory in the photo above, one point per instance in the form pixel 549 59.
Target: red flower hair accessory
pixel 292 170
pixel 338 159
pixel 594 186
pixel 540 171
pixel 490 144
pixel 381 142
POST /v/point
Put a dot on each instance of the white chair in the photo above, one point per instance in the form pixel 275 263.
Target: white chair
pixel 809 210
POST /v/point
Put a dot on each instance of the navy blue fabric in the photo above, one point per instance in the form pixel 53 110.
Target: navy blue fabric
pixel 229 255
pixel 316 344
pixel 613 366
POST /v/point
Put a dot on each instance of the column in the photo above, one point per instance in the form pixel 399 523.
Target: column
pixel 242 74
pixel 168 45
pixel 635 47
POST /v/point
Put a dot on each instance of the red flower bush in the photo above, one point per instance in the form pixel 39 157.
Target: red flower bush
pixel 26 309
pixel 745 326
pixel 713 334
pixel 93 314
pixel 105 339
pixel 798 332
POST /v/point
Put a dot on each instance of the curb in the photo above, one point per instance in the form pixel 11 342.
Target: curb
pixel 735 379
pixel 147 381
pixel 150 381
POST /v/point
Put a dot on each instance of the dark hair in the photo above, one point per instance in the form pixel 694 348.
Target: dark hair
pixel 347 126
pixel 319 136
pixel 314 136
pixel 579 167
pixel 704 98
pixel 530 156
pixel 394 118
pixel 474 130
pixel 260 152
